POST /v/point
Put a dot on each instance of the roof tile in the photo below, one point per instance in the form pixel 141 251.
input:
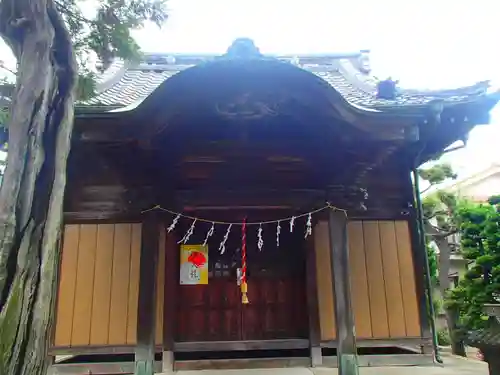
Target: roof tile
pixel 127 85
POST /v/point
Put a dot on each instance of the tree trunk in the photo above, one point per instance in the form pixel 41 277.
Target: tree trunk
pixel 493 359
pixel 444 265
pixel 31 196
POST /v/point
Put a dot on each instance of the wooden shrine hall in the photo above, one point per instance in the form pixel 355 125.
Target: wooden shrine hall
pixel 197 182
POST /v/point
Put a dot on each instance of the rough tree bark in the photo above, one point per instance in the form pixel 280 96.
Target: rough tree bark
pixel 31 196
pixel 444 265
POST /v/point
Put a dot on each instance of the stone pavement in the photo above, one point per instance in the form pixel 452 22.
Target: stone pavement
pixel 452 366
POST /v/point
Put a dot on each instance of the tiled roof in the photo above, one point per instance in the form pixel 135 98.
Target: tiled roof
pixel 485 337
pixel 128 84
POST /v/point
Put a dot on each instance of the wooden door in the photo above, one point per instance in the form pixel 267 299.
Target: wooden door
pixel 276 289
pixel 211 312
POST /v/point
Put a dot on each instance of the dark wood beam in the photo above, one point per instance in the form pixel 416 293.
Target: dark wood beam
pixel 346 350
pixel 146 307
pixel 312 305
pixel 170 299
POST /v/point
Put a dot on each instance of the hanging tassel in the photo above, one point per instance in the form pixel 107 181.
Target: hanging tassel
pixel 244 286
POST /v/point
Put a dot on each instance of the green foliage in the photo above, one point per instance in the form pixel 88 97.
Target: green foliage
pixel 437 174
pixel 443 338
pixel 433 263
pixel 106 33
pixel 439 207
pixel 480 233
pixel 3 117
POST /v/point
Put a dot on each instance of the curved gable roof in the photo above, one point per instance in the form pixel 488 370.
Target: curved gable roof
pixel 126 83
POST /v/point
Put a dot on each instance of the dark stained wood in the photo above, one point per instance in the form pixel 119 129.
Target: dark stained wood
pixel 209 312
pixel 222 346
pixel 146 310
pixel 312 304
pixel 346 350
pixel 170 290
pixel 276 289
pixel 278 308
pixel 412 344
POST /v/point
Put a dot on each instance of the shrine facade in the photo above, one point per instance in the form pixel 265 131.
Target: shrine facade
pixel 250 210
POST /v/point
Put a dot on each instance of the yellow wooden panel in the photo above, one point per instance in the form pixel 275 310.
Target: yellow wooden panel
pixel 84 285
pixel 324 281
pixel 160 287
pixel 378 302
pixel 359 281
pixel 67 282
pixel 408 285
pixel 120 284
pixel 102 285
pixel 393 292
pixel 133 293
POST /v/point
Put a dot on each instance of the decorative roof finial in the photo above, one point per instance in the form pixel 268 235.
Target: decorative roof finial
pixel 243 48
pixel 364 62
pixel 387 89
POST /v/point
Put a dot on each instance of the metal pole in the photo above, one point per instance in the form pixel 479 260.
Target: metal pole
pixel 427 273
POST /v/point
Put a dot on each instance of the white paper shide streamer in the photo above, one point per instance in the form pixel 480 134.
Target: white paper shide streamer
pixel 292 223
pixel 260 241
pixel 209 234
pixel 308 226
pixel 188 234
pixel 174 223
pixel 222 246
pixel 278 232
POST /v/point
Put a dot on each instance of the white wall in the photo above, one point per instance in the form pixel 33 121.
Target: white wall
pixel 482 189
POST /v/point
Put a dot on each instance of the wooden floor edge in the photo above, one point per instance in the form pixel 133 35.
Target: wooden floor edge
pixel 386 360
pixel 116 368
pixel 101 368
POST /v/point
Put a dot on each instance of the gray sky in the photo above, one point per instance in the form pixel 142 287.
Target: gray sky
pixel 423 43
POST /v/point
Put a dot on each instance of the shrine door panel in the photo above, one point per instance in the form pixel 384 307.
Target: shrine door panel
pixel 276 289
pixel 212 312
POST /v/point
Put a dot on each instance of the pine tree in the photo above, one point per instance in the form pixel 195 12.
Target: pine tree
pixel 440 222
pixel 480 240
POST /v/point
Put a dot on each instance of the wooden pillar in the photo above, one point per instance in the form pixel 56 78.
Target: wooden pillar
pixel 146 309
pixel 346 347
pixel 170 297
pixel 419 264
pixel 312 305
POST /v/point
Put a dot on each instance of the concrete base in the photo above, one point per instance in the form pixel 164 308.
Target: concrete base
pixel 452 366
pixel 168 362
pixel 316 357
